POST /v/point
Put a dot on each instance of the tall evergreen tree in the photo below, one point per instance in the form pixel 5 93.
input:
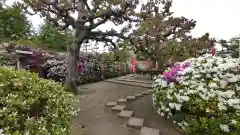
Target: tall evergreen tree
pixel 14 24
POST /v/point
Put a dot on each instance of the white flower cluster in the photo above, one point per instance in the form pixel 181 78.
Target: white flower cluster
pixel 1 132
pixel 210 86
pixel 57 68
pixel 3 47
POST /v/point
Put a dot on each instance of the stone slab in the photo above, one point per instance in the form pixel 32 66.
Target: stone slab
pixel 151 91
pixel 149 131
pixel 138 95
pixel 111 104
pixel 131 97
pixel 135 122
pixel 118 107
pixel 145 93
pixel 129 83
pixel 122 100
pixel 125 114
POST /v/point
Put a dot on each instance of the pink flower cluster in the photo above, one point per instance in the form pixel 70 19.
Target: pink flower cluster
pixel 171 74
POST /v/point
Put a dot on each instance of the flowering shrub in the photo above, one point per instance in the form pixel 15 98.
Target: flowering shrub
pixel 110 70
pixel 170 74
pixel 201 95
pixel 6 60
pixel 88 71
pixel 55 69
pixel 30 105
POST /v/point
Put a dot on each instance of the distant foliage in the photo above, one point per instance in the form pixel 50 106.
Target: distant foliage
pixel 50 37
pixel 230 48
pixel 14 24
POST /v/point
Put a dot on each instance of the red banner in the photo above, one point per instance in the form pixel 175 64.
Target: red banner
pixel 214 50
pixel 134 62
pixel 118 68
pixel 80 66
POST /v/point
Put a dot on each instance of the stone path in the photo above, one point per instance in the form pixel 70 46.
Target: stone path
pixel 142 109
pixel 96 119
pixel 130 80
pixel 139 114
pixel 140 77
pixel 115 109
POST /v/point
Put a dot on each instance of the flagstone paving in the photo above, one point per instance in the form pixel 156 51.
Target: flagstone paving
pixel 119 107
pixel 110 104
pixel 131 97
pixel 149 131
pixel 135 122
pixel 125 114
pixel 138 95
pixel 122 100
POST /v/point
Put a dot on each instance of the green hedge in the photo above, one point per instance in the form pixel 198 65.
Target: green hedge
pixel 205 97
pixel 30 105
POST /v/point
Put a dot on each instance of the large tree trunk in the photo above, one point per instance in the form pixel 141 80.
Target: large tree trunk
pixel 154 63
pixel 71 69
pixel 80 34
pixel 74 49
pixel 161 64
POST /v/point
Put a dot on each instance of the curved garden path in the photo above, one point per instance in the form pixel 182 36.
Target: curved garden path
pixel 95 118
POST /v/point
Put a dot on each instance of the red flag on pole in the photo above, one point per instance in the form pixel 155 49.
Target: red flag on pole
pixel 214 50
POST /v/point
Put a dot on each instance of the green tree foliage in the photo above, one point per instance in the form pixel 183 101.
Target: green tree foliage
pixel 50 37
pixel 13 23
pixel 91 14
pixel 230 47
pixel 122 55
pixel 162 36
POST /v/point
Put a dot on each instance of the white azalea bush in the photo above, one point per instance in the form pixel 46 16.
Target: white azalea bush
pixel 201 95
pixel 30 105
pixel 55 69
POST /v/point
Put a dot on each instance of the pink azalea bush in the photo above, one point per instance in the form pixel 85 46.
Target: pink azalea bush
pixel 171 75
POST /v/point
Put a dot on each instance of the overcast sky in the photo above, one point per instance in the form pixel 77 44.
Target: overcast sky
pixel 218 17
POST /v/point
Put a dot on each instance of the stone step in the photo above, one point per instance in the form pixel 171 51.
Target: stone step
pixel 134 122
pixel 111 104
pixel 133 80
pixel 121 77
pixel 149 131
pixel 151 91
pixel 126 76
pixel 138 95
pixel 125 114
pixel 129 83
pixel 146 93
pixel 131 97
pixel 122 100
pixel 119 108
